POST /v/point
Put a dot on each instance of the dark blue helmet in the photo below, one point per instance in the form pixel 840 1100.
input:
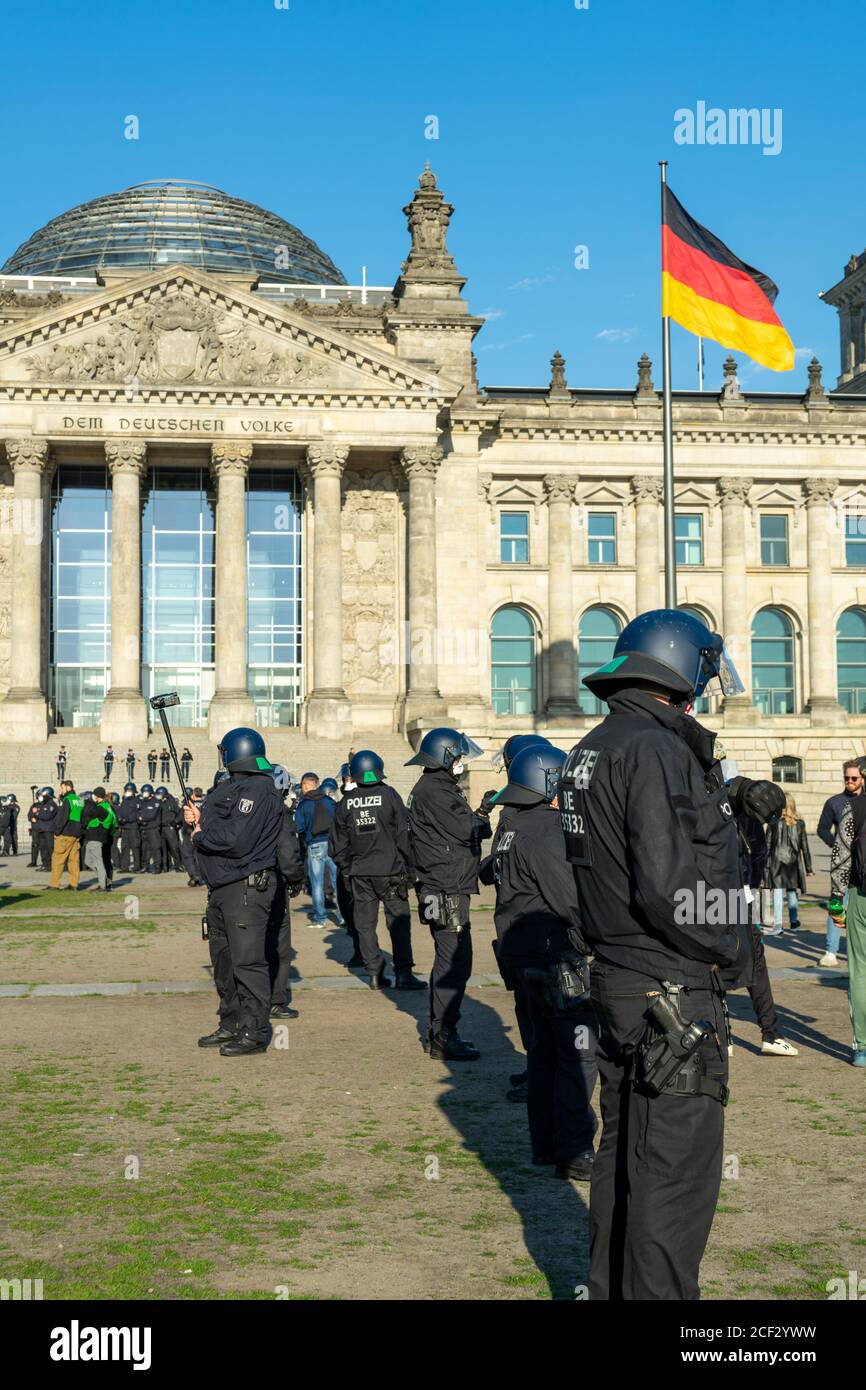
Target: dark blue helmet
pixel 670 649
pixel 443 748
pixel 514 745
pixel 366 768
pixel 328 785
pixel 87 796
pixel 46 791
pixel 243 750
pixel 161 792
pixel 12 797
pixel 114 798
pixel 533 776
pixel 147 789
pixel 130 787
pixel 345 772
pixel 187 791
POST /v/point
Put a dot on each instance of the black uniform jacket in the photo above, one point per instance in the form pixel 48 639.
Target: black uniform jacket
pixel 445 834
pixel 536 895
pixel 149 812
pixel 649 841
pixel 128 811
pixel 370 834
pixel 241 821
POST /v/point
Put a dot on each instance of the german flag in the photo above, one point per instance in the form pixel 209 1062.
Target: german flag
pixel 711 292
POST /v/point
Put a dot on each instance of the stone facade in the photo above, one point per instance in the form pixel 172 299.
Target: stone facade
pixel 407 465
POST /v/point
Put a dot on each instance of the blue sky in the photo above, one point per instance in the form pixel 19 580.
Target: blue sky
pixel 552 120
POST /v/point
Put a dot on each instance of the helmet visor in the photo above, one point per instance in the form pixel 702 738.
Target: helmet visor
pixel 497 759
pixel 469 749
pixel 717 661
pixel 729 677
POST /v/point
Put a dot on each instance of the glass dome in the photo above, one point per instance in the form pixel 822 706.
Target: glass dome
pixel 170 220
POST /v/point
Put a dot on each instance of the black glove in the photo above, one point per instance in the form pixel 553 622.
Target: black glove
pixel 293 889
pixel 763 800
pixel 487 801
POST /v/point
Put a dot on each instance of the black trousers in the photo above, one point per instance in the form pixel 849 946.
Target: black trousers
pixel 151 849
pixel 368 893
pixel 239 918
pixel 452 961
pixel 117 848
pixel 130 771
pixel 130 848
pixel 171 849
pixel 188 857
pixel 659 1165
pixel 164 772
pixel 151 770
pixel 184 767
pixel 9 842
pixel 761 992
pixel 346 904
pixel 107 766
pixel 278 953
pixel 43 847
pixel 561 1070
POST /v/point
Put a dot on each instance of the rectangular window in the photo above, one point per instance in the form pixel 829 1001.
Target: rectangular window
pixel 774 540
pixel 855 538
pixel 689 538
pixel 514 538
pixel 601 533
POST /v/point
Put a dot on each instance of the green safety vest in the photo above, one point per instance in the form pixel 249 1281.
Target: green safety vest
pixel 76 806
pixel 110 821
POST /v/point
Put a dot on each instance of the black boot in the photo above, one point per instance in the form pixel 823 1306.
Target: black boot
pixel 356 963
pixel 406 980
pixel 448 1046
pixel 242 1046
pixel 380 981
pixel 215 1039
pixel 578 1169
pixel 283 1011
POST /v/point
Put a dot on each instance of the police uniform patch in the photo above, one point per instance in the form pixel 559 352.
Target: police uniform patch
pixel 245 806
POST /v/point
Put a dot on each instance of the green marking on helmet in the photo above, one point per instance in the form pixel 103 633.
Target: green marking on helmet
pixel 369 776
pixel 263 765
pixel 612 665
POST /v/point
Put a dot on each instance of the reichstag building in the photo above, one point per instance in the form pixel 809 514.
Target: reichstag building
pixel 293 500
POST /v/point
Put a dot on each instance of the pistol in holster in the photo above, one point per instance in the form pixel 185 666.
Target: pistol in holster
pixel 564 983
pixel 670 1060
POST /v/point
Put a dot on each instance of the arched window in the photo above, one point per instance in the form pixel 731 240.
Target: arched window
pixel 599 629
pixel 512 640
pixel 702 706
pixel 773 662
pixel 851 660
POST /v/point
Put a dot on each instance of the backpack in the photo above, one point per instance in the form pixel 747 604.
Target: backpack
pixel 322 817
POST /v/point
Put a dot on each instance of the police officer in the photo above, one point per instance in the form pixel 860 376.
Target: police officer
pixel 128 856
pixel 151 764
pixel 149 824
pixel 6 824
pixel 108 762
pixel 130 763
pixel 345 901
pixel 169 824
pixel 236 834
pixel 445 835
pixel 369 843
pixel 43 835
pixel 278 941
pixel 542 946
pixel 649 828
pixel 15 811
pixel 512 980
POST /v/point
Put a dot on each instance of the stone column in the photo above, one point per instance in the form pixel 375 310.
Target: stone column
pixel 231 704
pixel 823 705
pixel 329 710
pixel 423 699
pixel 734 494
pixel 24 710
pixel 124 711
pixel 562 702
pixel 648 492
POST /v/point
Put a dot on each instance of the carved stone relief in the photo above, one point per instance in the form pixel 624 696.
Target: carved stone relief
pixel 370 568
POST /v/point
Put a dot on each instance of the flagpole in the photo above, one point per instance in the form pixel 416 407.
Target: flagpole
pixel 667 436
pixel 700 364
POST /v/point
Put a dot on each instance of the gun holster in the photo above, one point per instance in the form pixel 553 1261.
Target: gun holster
pixel 449 912
pixel 398 886
pixel 669 1060
pixel 564 983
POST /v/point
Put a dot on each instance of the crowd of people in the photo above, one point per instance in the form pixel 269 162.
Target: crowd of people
pixel 635 881
pixel 130 758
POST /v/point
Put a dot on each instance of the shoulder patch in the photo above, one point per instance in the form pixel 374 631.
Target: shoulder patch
pixel 245 805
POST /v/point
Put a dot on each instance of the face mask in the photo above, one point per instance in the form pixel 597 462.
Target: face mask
pixel 349 786
pixel 458 767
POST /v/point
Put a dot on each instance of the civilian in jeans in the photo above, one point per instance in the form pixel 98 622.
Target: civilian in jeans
pixel 848 872
pixel 313 819
pixel 99 831
pixel 835 809
pixel 788 863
